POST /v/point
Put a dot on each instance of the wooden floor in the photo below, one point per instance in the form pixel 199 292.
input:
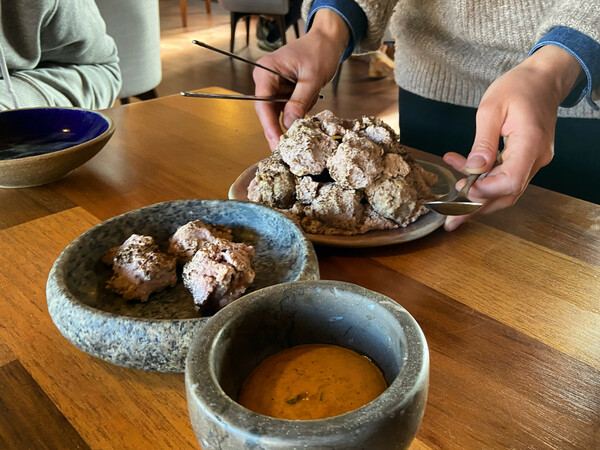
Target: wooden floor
pixel 187 66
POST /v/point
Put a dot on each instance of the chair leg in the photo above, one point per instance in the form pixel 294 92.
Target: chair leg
pixel 183 8
pixel 148 95
pixel 336 78
pixel 247 30
pixel 207 3
pixel 296 30
pixel 233 19
pixel 281 25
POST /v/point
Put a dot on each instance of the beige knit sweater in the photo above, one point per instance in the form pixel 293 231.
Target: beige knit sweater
pixel 452 50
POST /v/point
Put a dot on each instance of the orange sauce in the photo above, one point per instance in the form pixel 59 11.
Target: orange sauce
pixel 311 382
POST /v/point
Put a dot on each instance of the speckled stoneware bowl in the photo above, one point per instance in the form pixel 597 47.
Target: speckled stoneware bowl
pixel 41 145
pixel 156 335
pixel 242 335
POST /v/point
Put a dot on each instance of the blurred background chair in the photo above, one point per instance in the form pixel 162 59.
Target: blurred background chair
pixel 135 27
pixel 183 8
pixel 243 9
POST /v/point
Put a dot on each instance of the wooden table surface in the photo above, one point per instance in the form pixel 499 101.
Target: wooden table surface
pixel 509 303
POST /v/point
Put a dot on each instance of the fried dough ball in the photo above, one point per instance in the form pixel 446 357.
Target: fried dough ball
pixel 139 268
pixel 219 273
pixel 192 236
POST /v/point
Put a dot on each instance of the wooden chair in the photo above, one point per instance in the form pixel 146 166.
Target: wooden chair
pixel 183 8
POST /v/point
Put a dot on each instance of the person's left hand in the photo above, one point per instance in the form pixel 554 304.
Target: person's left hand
pixel 521 106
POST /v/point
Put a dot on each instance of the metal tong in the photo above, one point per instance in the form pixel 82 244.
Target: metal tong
pixel 273 98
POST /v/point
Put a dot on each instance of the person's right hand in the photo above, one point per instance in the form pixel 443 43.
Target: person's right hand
pixel 311 60
pixel 521 107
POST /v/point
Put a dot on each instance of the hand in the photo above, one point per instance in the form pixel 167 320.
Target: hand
pixel 520 106
pixel 312 60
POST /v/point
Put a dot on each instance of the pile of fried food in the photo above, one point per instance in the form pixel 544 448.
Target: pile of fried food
pixel 343 176
pixel 216 270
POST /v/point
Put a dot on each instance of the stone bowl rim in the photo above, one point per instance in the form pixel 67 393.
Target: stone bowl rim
pixel 390 400
pixel 58 278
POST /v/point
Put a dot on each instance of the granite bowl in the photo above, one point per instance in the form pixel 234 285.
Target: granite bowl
pixel 156 335
pixel 41 145
pixel 240 336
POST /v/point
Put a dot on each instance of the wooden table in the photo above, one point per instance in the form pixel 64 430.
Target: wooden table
pixel 509 303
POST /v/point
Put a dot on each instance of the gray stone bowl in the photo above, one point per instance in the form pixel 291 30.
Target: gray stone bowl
pixel 156 335
pixel 242 335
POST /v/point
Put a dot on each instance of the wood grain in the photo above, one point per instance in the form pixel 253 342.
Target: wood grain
pixel 28 418
pixel 6 354
pixel 418 445
pixel 109 406
pixel 490 385
pixel 509 303
pixel 556 221
pixel 20 205
pixel 553 297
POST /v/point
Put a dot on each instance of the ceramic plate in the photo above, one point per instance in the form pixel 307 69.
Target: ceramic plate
pixel 421 227
pixel 156 335
pixel 42 145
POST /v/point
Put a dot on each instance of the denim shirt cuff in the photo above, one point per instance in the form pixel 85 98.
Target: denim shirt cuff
pixel 352 14
pixel 585 50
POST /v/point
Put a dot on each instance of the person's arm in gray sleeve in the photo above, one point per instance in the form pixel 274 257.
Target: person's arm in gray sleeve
pixel 58 54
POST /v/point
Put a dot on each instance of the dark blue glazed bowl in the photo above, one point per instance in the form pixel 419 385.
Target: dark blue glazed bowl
pixel 41 145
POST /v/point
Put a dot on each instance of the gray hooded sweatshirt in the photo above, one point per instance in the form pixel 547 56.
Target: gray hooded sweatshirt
pixel 58 54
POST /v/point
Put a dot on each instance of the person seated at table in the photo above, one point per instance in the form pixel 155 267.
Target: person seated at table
pixel 57 53
pixel 471 74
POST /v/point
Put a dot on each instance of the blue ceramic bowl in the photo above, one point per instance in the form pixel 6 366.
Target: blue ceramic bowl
pixel 41 145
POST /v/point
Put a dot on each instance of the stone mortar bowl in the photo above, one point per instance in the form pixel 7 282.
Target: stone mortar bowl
pixel 242 335
pixel 156 335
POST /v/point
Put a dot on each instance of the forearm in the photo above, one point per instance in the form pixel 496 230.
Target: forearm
pixel 93 86
pixel 558 68
pixel 574 25
pixel 329 26
pixel 367 19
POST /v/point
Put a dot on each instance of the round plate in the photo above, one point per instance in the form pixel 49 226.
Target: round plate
pixel 156 335
pixel 424 225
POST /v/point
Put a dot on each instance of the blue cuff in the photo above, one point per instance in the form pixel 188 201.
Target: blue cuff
pixel 585 50
pixel 352 14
